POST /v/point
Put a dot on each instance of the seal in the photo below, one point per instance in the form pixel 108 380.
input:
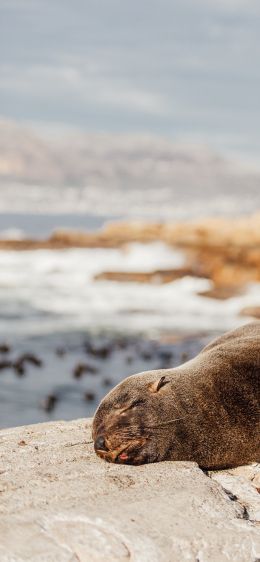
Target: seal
pixel 206 410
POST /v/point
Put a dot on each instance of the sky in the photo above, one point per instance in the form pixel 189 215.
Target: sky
pixel 179 68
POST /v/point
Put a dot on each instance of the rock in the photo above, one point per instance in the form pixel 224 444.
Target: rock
pixel 49 403
pixel 59 501
pixel 242 483
pixel 121 343
pixel 60 351
pixel 222 292
pixel 5 365
pixel 5 348
pixel 100 352
pixel 253 311
pixel 19 368
pixel 165 355
pixel 129 359
pixel 20 363
pixel 107 381
pixel 89 396
pixel 157 276
pixel 146 355
pixel 84 369
pixel 32 359
pixel 225 250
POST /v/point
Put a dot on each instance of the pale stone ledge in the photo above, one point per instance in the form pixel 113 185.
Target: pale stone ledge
pixel 60 503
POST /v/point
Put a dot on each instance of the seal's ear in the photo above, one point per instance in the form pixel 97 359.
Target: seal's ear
pixel 156 385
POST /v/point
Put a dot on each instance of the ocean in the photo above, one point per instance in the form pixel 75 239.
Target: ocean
pixel 51 308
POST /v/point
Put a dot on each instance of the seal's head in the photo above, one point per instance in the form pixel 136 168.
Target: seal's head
pixel 127 426
pixel 206 410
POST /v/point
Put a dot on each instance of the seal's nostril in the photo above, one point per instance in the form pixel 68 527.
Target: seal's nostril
pixel 100 444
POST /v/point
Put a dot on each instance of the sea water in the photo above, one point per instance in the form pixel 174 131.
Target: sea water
pixel 50 300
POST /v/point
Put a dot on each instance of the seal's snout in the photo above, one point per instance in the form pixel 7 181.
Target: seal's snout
pixel 100 444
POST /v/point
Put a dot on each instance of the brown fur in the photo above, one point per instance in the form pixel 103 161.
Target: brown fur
pixel 206 410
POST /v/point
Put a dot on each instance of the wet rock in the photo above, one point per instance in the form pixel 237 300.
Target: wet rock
pixel 5 348
pixel 146 355
pixel 31 359
pixel 222 293
pixel 19 365
pixel 84 369
pixel 165 355
pixel 5 365
pixel 101 352
pixel 107 381
pixel 49 403
pixel 89 396
pixel 60 351
pixel 253 311
pixel 157 276
pixel 121 343
pixel 129 359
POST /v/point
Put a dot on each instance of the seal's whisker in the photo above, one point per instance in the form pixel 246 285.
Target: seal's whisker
pixel 164 423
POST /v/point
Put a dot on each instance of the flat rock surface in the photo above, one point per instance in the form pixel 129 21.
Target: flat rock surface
pixel 59 502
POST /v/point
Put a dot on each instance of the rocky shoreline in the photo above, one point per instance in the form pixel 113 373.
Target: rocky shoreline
pixel 225 251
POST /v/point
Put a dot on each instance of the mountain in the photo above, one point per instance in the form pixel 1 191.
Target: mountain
pixel 117 173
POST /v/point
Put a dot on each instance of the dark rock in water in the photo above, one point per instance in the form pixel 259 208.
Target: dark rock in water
pixel 60 351
pixel 89 396
pixel 5 348
pixel 20 363
pixel 19 368
pixel 104 352
pixel 165 355
pixel 129 359
pixel 146 355
pixel 101 352
pixel 83 369
pixel 107 382
pixel 5 365
pixel 49 403
pixel 121 343
pixel 31 358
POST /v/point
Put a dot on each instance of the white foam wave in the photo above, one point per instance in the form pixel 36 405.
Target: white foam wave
pixel 47 291
pixel 12 234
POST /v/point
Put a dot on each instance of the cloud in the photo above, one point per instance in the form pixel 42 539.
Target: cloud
pixel 152 66
pixel 239 7
pixel 51 83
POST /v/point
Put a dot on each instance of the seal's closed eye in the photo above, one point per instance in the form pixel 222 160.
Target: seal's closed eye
pixel 136 403
pixel 133 405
